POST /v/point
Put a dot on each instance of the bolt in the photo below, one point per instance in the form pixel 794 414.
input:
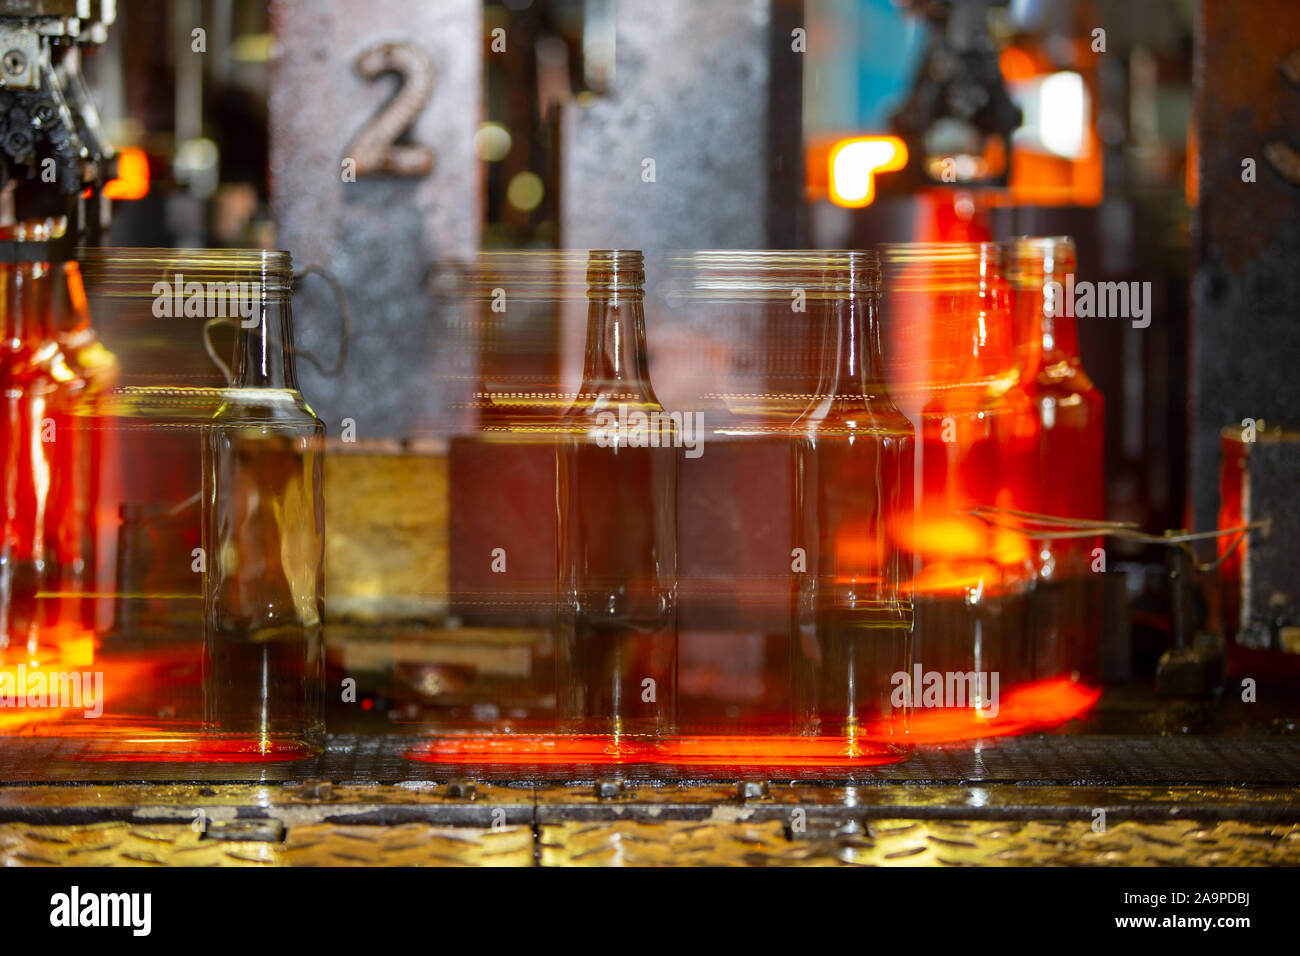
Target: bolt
pixel 15 62
pixel 314 789
pixel 610 789
pixel 462 789
pixel 18 143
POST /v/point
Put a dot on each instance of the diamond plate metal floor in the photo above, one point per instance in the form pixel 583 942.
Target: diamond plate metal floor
pixel 613 823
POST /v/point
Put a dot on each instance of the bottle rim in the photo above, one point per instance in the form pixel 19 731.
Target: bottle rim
pixel 1031 257
pixel 736 275
pixel 136 271
pixel 615 271
pixel 954 252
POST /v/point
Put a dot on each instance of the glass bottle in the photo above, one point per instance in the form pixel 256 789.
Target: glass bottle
pixel 37 449
pixel 853 492
pixel 263 529
pixel 616 635
pixel 93 481
pixel 1068 465
pixel 734 481
pixel 960 372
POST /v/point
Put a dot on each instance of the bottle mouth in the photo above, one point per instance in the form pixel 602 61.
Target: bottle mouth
pixel 499 276
pixel 1033 257
pixel 145 273
pixel 942 267
pixel 747 275
pixel 615 271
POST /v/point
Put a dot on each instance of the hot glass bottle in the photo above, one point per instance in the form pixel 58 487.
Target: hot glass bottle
pixel 853 461
pixel 1068 466
pixel 961 374
pixel 616 635
pixel 264 533
pixel 93 480
pixel 39 391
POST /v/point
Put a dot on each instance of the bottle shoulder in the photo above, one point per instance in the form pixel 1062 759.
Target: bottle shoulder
pixel 42 366
pixel 851 415
pixel 1064 378
pixel 265 405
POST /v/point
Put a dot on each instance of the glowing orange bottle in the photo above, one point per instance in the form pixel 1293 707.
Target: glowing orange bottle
pixel 38 393
pixel 1069 459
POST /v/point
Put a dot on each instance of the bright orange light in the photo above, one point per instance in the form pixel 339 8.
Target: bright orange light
pixel 132 180
pixel 731 751
pixel 76 288
pixel 1029 707
pixel 1033 706
pixel 853 164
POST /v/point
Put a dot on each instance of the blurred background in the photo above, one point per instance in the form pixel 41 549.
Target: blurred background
pixel 737 106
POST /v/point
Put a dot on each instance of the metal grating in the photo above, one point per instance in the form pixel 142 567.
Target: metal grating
pixel 1041 759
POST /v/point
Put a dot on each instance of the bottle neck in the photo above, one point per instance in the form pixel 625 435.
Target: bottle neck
pixel 1044 283
pixel 851 359
pixel 264 348
pixel 616 345
pixel 26 299
pixel 1060 333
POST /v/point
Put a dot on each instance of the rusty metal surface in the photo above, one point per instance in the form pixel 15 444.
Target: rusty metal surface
pixel 751 822
pixel 382 234
pixel 1246 234
pixel 710 151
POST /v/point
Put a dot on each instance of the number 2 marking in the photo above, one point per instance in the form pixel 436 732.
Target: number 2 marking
pixel 376 149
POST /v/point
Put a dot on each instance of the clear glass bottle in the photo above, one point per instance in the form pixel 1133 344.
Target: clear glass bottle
pixel 734 482
pixel 264 531
pixel 616 635
pixel 853 492
pixel 1068 465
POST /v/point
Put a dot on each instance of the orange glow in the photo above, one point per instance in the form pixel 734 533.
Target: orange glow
pixel 957 577
pixel 757 750
pixel 74 650
pixel 124 734
pixel 1030 707
pixel 952 538
pixel 853 163
pixel 132 180
pixel 1018 64
pixel 1037 177
pixel 1034 706
pixel 856 546
pixel 844 168
pixel 76 288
